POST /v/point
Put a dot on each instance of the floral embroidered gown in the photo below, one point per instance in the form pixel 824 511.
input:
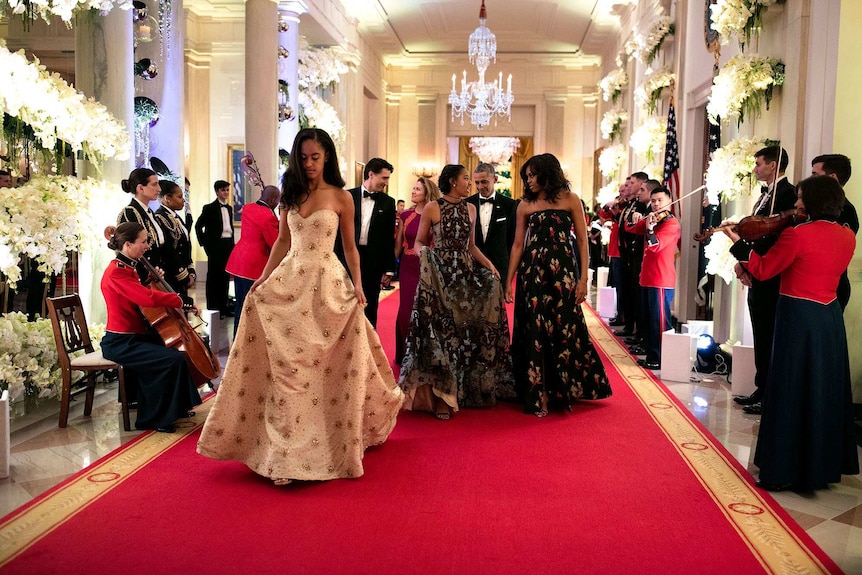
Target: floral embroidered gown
pixel 551 347
pixel 307 386
pixel 458 339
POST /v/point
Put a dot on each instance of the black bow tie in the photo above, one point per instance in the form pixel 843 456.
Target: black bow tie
pixel 486 201
pixel 367 194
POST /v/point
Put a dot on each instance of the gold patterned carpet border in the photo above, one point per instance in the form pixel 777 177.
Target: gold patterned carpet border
pixel 757 521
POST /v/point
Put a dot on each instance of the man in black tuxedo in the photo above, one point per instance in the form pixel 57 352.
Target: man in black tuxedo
pixel 838 166
pixel 495 219
pixel 777 195
pixel 214 230
pixel 374 223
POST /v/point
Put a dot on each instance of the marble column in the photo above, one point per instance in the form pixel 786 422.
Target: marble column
pixel 261 80
pixel 166 89
pixel 104 70
pixel 198 159
pixel 288 42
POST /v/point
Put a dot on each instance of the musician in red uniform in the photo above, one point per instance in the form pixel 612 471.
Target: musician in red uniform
pixel 165 388
pixel 251 252
pixel 658 275
pixel 806 438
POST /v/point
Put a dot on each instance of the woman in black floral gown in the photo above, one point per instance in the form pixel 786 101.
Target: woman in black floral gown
pixel 553 355
pixel 458 340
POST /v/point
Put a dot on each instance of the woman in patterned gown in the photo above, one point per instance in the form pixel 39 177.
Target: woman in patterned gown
pixel 458 340
pixel 307 386
pixel 553 354
pixel 424 191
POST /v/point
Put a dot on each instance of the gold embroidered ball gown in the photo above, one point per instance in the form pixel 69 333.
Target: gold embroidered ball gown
pixel 307 386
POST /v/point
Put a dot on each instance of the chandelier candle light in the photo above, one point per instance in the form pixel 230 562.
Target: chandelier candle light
pixel 480 100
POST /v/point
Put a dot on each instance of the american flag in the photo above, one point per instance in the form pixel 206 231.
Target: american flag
pixel 670 177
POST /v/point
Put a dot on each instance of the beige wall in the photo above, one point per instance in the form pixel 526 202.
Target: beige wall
pixel 848 126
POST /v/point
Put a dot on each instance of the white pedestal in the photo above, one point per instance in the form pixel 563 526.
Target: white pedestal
pixel 602 278
pixel 5 435
pixel 742 370
pixel 678 351
pixel 590 274
pixel 216 330
pixel 606 302
pixel 697 327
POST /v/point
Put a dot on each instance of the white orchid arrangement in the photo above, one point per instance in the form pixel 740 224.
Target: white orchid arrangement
pixel 28 357
pixel 648 94
pixel 612 85
pixel 608 193
pixel 740 19
pixel 611 160
pixel 56 111
pixel 730 174
pixel 319 69
pixel 316 112
pixel 64 9
pixel 648 139
pixel 612 124
pixel 648 45
pixel 47 217
pixel 742 85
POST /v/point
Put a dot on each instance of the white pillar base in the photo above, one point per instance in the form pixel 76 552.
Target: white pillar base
pixel 742 370
pixel 216 330
pixel 606 302
pixel 678 352
pixel 602 277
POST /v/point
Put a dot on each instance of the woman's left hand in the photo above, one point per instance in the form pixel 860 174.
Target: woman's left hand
pixel 581 292
pixel 360 295
pixel 494 271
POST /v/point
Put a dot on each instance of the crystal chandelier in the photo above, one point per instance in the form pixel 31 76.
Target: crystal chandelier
pixel 480 100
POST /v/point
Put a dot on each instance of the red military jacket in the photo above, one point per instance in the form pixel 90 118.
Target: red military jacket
pixel 124 295
pixel 658 269
pixel 259 232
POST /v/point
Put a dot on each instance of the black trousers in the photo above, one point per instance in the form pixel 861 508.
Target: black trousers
pixel 371 276
pixel 217 277
pixel 762 300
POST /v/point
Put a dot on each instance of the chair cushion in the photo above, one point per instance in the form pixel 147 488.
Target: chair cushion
pixel 92 360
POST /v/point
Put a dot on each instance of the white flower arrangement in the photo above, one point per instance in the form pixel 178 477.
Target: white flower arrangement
pixel 607 193
pixel 612 124
pixel 720 261
pixel 648 139
pixel 611 160
pixel 647 96
pixel 612 85
pixel 56 111
pixel 47 217
pixel 647 46
pixel 315 112
pixel 65 9
pixel 741 85
pixel 28 357
pixel 730 172
pixel 741 19
pixel 319 68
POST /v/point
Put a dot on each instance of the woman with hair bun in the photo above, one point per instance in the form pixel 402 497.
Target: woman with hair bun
pixel 177 256
pixel 143 185
pixel 163 383
pixel 458 341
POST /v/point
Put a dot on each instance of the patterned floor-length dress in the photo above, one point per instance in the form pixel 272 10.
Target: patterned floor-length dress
pixel 551 347
pixel 458 340
pixel 307 386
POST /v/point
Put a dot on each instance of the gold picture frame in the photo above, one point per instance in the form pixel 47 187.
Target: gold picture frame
pixel 359 173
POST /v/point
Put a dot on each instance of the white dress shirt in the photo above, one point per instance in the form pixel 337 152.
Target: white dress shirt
pixel 486 210
pixel 366 207
pixel 226 230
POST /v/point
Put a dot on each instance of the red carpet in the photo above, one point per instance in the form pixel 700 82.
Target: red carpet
pixel 625 485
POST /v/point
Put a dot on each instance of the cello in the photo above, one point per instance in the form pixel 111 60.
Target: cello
pixel 176 332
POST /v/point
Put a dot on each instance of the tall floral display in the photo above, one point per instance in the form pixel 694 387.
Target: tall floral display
pixel 47 122
pixel 319 71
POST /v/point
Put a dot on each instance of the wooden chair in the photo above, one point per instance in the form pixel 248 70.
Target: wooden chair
pixel 71 336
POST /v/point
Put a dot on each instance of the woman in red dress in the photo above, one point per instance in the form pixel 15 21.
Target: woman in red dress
pixel 424 191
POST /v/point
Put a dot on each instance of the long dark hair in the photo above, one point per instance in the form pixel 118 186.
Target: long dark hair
pixel 125 232
pixel 549 175
pixel 138 177
pixel 294 184
pixel 447 174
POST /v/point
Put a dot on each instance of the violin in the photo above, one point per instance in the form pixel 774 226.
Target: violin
pixel 751 228
pixel 661 216
pixel 176 332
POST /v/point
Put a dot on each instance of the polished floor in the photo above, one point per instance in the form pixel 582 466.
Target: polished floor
pixel 43 455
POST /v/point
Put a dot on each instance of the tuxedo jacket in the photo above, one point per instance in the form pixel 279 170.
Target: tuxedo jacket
pixel 497 244
pixel 208 228
pixel 177 255
pixel 259 232
pixel 785 199
pixel 378 257
pixel 135 212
